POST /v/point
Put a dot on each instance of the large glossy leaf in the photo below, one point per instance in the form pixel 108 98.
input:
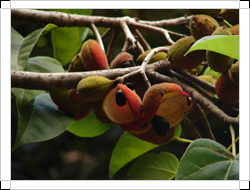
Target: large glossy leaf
pixel 36 64
pixel 67 41
pixel 41 121
pixel 152 166
pixel 16 41
pixel 27 46
pixel 223 44
pixel 127 148
pixel 130 147
pixel 88 126
pixel 206 159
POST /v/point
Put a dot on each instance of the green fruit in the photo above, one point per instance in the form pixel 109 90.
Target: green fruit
pixel 226 89
pixel 198 69
pixel 157 57
pixel 93 57
pixel 208 78
pixel 202 25
pixel 216 61
pixel 76 64
pixel 210 12
pixel 179 48
pixel 94 88
pixel 235 72
pixel 122 60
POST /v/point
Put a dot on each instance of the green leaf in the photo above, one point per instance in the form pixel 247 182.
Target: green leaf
pixel 36 64
pixel 67 41
pixel 154 166
pixel 127 148
pixel 88 126
pixel 206 159
pixel 16 41
pixel 211 72
pixel 27 45
pixel 223 44
pixel 41 121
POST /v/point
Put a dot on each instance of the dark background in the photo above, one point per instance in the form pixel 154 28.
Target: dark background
pixel 68 157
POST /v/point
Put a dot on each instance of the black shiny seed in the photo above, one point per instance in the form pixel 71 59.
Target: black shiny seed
pixel 160 125
pixel 126 65
pixel 120 98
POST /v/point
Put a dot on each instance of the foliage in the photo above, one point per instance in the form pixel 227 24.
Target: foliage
pixel 39 119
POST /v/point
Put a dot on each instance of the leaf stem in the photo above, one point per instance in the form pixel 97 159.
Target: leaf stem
pixel 233 140
pixel 183 140
pixel 227 23
pixel 236 140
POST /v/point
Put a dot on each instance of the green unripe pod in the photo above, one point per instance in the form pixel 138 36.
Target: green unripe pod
pixel 235 72
pixel 202 25
pixel 76 64
pixel 178 50
pixel 216 61
pixel 94 88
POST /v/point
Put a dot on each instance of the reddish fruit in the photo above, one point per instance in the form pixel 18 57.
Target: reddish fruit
pixel 226 89
pixel 122 60
pixel 93 57
pixel 122 106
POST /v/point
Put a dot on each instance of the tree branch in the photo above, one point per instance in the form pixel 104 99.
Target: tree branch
pixel 203 117
pixel 69 20
pixel 97 35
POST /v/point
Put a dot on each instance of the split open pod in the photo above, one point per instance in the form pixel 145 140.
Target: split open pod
pixel 165 105
pixel 123 107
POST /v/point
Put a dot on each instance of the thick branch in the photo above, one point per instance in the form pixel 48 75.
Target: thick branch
pixel 64 81
pixel 69 20
pixel 60 81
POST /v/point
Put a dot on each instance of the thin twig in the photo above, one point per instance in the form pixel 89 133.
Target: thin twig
pixel 156 29
pixel 107 33
pixel 206 85
pixel 130 37
pixel 97 35
pixel 146 61
pixel 203 118
pixel 141 39
pixel 112 43
pixel 168 23
pixel 191 128
pixel 142 69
